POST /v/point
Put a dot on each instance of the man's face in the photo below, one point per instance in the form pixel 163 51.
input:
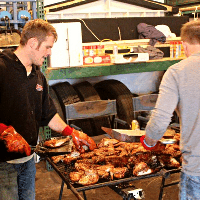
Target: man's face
pixel 43 51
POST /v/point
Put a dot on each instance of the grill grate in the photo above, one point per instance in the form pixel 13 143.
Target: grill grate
pixel 64 170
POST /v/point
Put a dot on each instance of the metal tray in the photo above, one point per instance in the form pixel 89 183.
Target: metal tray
pixel 43 151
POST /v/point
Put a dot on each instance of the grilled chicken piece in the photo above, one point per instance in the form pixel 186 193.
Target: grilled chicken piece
pixel 89 178
pixel 82 166
pixel 104 170
pixel 159 147
pixel 129 147
pixel 173 150
pixel 118 172
pixel 103 174
pixel 117 161
pixel 57 159
pixel 144 157
pixel 121 151
pixel 56 142
pixel 139 148
pixel 86 161
pixel 106 142
pixel 168 161
pixel 71 157
pixel 87 155
pixel 75 176
pixel 107 168
pixel 174 163
pixel 132 160
pixel 97 159
pixel 68 159
pixel 105 151
pixel 141 169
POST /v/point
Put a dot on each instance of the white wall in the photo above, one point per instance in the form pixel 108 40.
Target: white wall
pixel 104 9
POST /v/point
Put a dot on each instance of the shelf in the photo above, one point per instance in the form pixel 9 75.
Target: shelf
pixel 109 69
pixel 132 43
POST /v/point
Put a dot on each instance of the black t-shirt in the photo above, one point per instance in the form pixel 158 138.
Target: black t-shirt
pixel 24 100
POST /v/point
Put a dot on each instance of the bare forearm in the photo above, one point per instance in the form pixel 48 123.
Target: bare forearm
pixel 57 124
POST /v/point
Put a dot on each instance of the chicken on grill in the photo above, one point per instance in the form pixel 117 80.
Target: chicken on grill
pixel 141 169
pixel 104 170
pixel 75 176
pixel 113 159
pixel 90 177
pixel 118 172
pixel 55 142
pixel 106 142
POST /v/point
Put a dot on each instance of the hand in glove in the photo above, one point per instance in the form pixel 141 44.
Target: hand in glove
pixel 14 141
pixel 79 138
pixel 3 127
pixel 157 147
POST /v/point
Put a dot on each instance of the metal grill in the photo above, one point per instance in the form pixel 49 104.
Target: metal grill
pixel 63 171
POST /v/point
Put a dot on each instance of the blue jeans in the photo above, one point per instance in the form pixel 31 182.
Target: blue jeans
pixel 17 181
pixel 189 187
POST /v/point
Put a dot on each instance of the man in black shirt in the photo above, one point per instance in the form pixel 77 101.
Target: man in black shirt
pixel 25 105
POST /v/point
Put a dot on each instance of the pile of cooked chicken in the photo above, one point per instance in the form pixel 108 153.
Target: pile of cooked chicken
pixel 113 159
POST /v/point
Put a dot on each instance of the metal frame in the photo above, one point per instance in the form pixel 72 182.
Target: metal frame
pixel 90 109
pixel 164 173
pixel 15 5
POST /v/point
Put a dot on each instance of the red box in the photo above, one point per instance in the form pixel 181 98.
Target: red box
pixel 89 60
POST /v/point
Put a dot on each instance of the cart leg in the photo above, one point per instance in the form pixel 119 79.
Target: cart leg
pixel 61 190
pixel 161 188
pixel 84 195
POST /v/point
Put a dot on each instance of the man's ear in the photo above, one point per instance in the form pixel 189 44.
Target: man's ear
pixel 32 43
pixel 185 47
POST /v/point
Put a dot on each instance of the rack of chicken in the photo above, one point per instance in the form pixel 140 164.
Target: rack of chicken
pixel 114 162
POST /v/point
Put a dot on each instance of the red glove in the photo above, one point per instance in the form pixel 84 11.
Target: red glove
pixel 14 141
pixel 157 147
pixel 3 127
pixel 79 139
pixel 142 140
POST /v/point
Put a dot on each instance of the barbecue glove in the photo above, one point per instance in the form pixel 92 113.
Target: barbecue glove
pixel 3 127
pixel 13 140
pixel 79 138
pixel 144 144
pixel 157 147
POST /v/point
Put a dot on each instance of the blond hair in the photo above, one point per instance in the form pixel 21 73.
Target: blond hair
pixel 37 28
pixel 190 32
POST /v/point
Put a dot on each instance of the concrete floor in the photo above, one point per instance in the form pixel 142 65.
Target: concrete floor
pixel 48 187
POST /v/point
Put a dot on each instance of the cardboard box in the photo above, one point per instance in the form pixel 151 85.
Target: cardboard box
pixel 129 58
pixel 88 60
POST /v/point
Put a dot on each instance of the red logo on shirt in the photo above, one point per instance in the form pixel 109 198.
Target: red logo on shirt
pixel 39 87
